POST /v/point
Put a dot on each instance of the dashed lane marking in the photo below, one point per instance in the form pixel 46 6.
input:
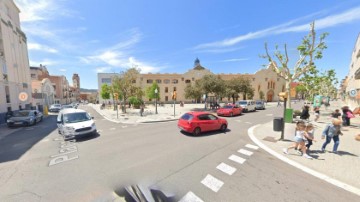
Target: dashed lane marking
pixel 226 168
pixel 190 197
pixel 212 183
pixel 252 146
pixel 237 159
pixel 245 152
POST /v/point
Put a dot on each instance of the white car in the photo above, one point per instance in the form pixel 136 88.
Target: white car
pixel 73 123
pixel 247 105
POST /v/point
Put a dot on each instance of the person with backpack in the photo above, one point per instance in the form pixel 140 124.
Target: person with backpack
pixel 332 131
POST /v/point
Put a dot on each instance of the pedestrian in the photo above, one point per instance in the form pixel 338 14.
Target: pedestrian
pixel 347 114
pixel 299 142
pixel 317 113
pixel 310 131
pixel 336 114
pixel 305 115
pixel 142 109
pixel 279 103
pixel 332 131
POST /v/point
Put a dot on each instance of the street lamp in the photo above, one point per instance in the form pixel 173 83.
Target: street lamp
pixel 156 92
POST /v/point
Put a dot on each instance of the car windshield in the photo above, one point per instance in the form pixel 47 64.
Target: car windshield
pixel 228 107
pixel 21 113
pixel 243 103
pixel 259 102
pixel 187 117
pixel 76 117
pixel 55 105
pixel 67 106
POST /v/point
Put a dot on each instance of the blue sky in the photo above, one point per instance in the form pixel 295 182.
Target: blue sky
pixel 162 36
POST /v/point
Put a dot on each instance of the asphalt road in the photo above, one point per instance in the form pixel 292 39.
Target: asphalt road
pixel 36 165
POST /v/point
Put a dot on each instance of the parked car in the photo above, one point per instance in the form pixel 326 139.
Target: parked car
pixel 55 108
pixel 247 105
pixel 260 104
pixel 75 123
pixel 67 107
pixel 24 118
pixel 197 122
pixel 229 110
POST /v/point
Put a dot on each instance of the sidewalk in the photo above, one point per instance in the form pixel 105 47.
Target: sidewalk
pixel 342 167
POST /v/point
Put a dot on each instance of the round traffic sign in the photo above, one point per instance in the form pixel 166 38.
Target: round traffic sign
pixel 23 96
pixel 352 93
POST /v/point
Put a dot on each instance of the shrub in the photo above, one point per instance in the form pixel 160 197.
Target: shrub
pixel 136 102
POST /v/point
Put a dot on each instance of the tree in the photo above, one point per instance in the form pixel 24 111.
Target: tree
pixel 310 50
pixel 105 91
pixel 150 91
pixel 125 84
pixel 233 88
pixel 246 89
pixel 262 95
pixel 193 91
pixel 212 84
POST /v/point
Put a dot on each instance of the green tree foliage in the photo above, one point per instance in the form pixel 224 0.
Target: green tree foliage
pixel 310 50
pixel 262 95
pixel 246 89
pixel 150 91
pixel 105 91
pixel 212 84
pixel 125 84
pixel 233 88
pixel 193 91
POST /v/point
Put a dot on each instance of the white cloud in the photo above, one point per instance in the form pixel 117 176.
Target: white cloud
pixel 329 21
pixel 62 70
pixel 144 67
pixel 45 62
pixel 235 60
pixel 102 69
pixel 36 46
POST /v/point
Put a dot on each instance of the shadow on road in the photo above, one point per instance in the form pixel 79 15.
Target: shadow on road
pixel 15 144
pixel 205 134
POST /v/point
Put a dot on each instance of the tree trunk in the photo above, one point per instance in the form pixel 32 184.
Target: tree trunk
pixel 287 89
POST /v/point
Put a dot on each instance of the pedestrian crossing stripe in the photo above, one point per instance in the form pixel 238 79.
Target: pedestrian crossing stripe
pixel 237 159
pixel 212 183
pixel 190 197
pixel 245 152
pixel 226 168
pixel 252 146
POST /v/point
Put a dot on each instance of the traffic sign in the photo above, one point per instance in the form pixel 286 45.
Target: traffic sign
pixel 352 92
pixel 23 96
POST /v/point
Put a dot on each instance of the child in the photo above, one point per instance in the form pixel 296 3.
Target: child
pixel 299 140
pixel 336 114
pixel 310 132
pixel 332 131
pixel 317 113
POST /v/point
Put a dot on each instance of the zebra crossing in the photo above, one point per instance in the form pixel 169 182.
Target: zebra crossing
pixel 215 184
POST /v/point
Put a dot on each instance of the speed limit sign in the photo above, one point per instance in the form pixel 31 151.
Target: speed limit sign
pixel 23 96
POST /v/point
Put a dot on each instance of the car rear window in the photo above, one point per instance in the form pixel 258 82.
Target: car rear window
pixel 243 102
pixel 259 102
pixel 228 107
pixel 187 117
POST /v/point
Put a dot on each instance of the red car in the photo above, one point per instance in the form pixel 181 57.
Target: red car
pixel 197 122
pixel 229 110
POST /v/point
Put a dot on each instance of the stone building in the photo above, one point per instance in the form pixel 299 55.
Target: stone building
pixel 350 86
pixel 264 80
pixel 14 61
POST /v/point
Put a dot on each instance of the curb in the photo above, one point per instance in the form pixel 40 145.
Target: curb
pixel 317 174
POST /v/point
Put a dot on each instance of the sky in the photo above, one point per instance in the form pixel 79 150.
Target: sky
pixel 162 36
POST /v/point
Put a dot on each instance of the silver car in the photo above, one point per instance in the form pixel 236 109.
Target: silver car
pixel 24 118
pixel 260 104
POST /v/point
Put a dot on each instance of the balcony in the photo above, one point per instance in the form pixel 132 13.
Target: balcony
pixel 357 74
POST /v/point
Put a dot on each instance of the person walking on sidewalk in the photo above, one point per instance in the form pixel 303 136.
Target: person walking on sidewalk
pixel 299 141
pixel 346 115
pixel 310 131
pixel 336 114
pixel 317 113
pixel 305 113
pixel 332 131
pixel 142 109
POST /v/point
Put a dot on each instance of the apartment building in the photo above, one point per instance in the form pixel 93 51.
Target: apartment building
pixel 264 80
pixel 352 87
pixel 14 61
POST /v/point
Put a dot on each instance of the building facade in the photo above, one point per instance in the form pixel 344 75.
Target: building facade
pixel 350 86
pixel 14 61
pixel 264 80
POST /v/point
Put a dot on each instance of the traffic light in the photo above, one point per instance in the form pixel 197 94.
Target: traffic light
pixel 174 95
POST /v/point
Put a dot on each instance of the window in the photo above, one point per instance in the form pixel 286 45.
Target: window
pixel 166 98
pixel 175 81
pixel 166 89
pixel 253 79
pixel 149 81
pixel 174 89
pixel 187 81
pixel 25 85
pixel 158 80
pixel 33 76
pixel 166 81
pixel 193 79
pixel 182 79
pixel 106 80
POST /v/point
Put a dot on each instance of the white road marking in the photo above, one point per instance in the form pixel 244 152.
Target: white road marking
pixel 252 146
pixel 248 122
pixel 319 175
pixel 237 159
pixel 124 126
pixel 190 197
pixel 245 152
pixel 226 168
pixel 212 183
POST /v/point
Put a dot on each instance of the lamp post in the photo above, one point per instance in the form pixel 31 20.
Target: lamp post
pixel 156 92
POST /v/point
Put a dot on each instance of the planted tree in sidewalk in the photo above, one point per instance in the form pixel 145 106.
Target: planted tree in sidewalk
pixel 105 91
pixel 233 88
pixel 150 91
pixel 125 84
pixel 246 89
pixel 193 91
pixel 310 50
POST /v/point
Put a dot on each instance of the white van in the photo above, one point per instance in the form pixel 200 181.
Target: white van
pixel 247 105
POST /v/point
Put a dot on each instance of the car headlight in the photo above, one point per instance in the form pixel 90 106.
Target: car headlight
pixel 9 121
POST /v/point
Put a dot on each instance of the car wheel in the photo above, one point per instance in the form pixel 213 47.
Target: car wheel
pixel 223 127
pixel 197 131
